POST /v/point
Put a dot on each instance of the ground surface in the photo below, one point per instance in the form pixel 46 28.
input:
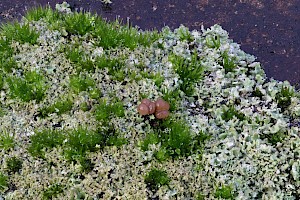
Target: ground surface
pixel 69 127
pixel 267 30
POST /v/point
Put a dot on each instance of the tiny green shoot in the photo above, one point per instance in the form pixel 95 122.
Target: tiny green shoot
pixel 176 140
pixel 114 34
pixel 81 141
pixel 151 138
pixel 213 41
pixel 59 107
pixel 3 182
pixel 79 23
pixel 231 112
pixel 43 140
pixel 200 196
pixel 31 87
pixel 53 191
pixel 46 13
pixel 7 61
pixel 105 111
pixel 14 164
pixel 274 138
pixel 82 82
pixel 190 71
pixel 114 66
pixel 74 54
pixel 6 141
pixel 86 164
pixel 20 33
pixel 156 178
pixel 225 192
pixel 257 93
pixel 283 97
pixel 228 63
pixel 184 34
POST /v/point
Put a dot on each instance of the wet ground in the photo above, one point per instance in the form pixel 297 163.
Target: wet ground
pixel 270 30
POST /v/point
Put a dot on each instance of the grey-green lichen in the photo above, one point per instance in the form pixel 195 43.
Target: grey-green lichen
pixel 253 123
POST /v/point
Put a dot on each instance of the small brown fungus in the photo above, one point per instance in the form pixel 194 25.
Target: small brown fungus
pixel 150 104
pixel 146 101
pixel 143 109
pixel 162 114
pixel 159 108
pixel 162 109
pixel 161 105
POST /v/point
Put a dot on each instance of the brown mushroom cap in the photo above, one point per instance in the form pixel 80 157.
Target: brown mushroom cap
pixel 146 101
pixel 152 108
pixel 143 109
pixel 150 104
pixel 161 105
pixel 159 108
pixel 162 114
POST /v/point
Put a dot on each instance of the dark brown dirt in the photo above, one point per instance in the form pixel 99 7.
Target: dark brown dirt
pixel 267 29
